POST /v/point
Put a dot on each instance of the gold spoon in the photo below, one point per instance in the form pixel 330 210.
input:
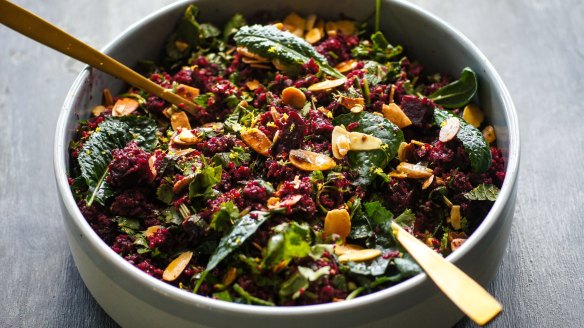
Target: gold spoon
pixel 462 290
pixel 468 295
pixel 36 28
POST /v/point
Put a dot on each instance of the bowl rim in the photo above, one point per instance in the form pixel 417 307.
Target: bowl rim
pixel 60 169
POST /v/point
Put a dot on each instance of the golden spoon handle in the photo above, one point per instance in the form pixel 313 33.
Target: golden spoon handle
pixel 467 294
pixel 36 28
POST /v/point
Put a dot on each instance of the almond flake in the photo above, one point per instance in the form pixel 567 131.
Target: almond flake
pixel 360 255
pixel 415 171
pixel 449 129
pixel 341 249
pixel 125 106
pixel 256 140
pixel 327 85
pixel 310 161
pixel 473 115
pixel 337 222
pixel 177 266
pixel 396 115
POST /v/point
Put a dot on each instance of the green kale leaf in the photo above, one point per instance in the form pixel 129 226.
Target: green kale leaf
pixel 366 162
pixel 472 139
pixel 457 93
pixel 233 25
pixel 204 181
pixel 272 43
pixel 95 155
pixel 483 192
pixel 406 219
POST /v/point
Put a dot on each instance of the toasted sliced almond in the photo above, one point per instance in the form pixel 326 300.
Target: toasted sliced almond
pixel 97 110
pixel 310 22
pixel 310 161
pixel 294 97
pixel 428 182
pixel 341 142
pixel 125 106
pixel 181 184
pixel 246 53
pixel 273 202
pixel 396 115
pixel 313 35
pixel 398 175
pixel 362 141
pixel 295 24
pixel 108 99
pixel 455 219
pixel 181 46
pixel 404 151
pixel 152 166
pixel 279 26
pixel 331 29
pixel 256 140
pixel 187 91
pixel 456 243
pixel 185 137
pixel 151 230
pixel 391 93
pixel 349 102
pixel 489 134
pixel 360 255
pixel 177 266
pixel 337 222
pixel 417 143
pixel 253 84
pixel 325 111
pixel 215 126
pixel 229 276
pixel 473 115
pixel 179 119
pixel 449 129
pixel 346 27
pixel 357 109
pixel 182 152
pixel 347 66
pixel 327 85
pixel 341 249
pixel 415 171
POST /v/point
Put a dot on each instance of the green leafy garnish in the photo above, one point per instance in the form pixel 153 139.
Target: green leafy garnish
pixel 290 240
pixel 204 181
pixel 483 192
pixel 224 218
pixel 365 162
pixel 406 219
pixel 272 43
pixel 457 93
pixel 165 194
pixel 95 155
pixel 250 298
pixel 472 139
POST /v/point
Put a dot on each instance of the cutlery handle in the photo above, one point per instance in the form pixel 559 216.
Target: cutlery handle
pixel 467 294
pixel 36 28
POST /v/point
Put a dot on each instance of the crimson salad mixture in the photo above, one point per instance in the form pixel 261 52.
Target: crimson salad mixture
pixel 278 185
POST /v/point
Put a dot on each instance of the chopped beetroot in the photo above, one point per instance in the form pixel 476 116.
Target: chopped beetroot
pixel 129 167
pixel 419 111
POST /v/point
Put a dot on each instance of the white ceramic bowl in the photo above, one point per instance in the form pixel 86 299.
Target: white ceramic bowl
pixel 134 299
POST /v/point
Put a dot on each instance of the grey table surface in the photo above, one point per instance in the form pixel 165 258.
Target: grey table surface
pixel 537 47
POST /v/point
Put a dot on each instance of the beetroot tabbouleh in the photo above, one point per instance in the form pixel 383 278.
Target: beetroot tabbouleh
pixel 277 186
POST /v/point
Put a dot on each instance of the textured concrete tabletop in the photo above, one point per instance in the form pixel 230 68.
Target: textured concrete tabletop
pixel 537 47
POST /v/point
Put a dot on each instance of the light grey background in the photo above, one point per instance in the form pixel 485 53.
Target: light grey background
pixel 537 47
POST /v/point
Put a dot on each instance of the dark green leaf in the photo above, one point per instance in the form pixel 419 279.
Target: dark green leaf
pixel 483 192
pixel 127 226
pixel 472 139
pixel 376 267
pixel 272 43
pixel 380 220
pixel 95 155
pixel 379 40
pixel 365 162
pixel 312 275
pixel 243 229
pixel 224 218
pixel 187 31
pixel 233 25
pixel 457 93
